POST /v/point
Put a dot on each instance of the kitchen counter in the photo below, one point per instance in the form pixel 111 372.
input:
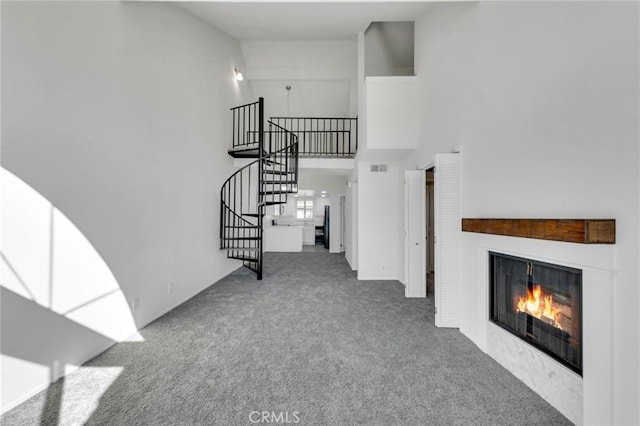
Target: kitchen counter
pixel 283 238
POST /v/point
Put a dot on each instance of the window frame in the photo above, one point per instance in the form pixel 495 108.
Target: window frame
pixel 305 208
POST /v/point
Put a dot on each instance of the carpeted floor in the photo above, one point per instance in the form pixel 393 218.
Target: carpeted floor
pixel 309 343
pixel 317 248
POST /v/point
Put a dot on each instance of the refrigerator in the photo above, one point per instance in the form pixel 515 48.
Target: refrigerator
pixel 326 227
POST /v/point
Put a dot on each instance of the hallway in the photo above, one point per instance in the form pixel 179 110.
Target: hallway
pixel 309 339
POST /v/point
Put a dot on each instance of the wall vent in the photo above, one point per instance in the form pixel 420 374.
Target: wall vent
pixel 379 168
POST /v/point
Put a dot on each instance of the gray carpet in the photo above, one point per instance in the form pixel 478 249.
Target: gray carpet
pixel 309 340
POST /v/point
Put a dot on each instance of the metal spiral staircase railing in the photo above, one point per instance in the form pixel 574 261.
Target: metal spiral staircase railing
pixel 265 181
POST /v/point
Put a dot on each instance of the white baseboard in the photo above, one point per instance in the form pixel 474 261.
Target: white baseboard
pixel 365 278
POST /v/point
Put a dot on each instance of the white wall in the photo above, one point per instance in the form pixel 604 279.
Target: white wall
pixel 334 184
pixel 307 98
pixel 379 223
pixel 117 113
pixel 362 97
pixel 544 99
pixel 351 231
pixel 391 113
pixel 318 206
pixel 388 134
pixel 322 75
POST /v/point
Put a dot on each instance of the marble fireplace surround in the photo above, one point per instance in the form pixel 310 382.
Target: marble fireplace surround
pixel 587 397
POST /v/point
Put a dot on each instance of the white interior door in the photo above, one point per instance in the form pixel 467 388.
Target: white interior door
pixel 447 240
pixel 415 234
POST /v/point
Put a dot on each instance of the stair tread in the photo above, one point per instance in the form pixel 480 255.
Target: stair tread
pixel 241 238
pixel 241 248
pixel 245 154
pixel 252 215
pixel 244 147
pixel 245 258
pixel 277 172
pixel 246 151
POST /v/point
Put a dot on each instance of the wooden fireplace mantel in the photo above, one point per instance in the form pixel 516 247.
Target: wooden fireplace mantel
pixel 582 231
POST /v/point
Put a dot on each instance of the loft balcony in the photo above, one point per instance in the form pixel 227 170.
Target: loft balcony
pixel 325 144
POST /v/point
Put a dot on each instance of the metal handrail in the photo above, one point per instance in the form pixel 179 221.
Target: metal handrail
pixel 324 137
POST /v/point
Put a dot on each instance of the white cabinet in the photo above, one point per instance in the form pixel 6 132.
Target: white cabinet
pixel 309 235
pixel 283 238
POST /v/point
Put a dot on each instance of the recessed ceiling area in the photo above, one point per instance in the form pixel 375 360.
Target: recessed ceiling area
pixel 389 49
pixel 301 21
pixel 309 46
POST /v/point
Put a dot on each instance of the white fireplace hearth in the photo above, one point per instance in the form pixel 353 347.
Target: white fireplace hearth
pixel 581 399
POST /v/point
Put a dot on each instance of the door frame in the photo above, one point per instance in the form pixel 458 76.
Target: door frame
pixel 429 220
pixel 415 221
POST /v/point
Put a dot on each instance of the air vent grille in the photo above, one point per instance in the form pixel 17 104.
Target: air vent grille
pixel 379 168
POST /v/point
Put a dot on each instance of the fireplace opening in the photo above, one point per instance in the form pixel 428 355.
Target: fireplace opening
pixel 540 303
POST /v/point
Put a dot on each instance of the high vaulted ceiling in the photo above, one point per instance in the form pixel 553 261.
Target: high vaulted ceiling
pixel 303 20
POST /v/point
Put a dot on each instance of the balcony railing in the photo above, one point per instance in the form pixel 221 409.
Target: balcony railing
pixel 323 137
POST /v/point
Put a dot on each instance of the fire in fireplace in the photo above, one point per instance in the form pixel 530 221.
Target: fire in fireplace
pixel 540 303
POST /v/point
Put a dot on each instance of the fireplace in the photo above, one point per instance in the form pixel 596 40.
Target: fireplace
pixel 540 303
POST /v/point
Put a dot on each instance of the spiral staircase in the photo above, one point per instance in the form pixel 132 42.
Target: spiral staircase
pixel 267 180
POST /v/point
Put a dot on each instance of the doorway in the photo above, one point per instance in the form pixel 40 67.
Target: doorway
pixel 429 218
